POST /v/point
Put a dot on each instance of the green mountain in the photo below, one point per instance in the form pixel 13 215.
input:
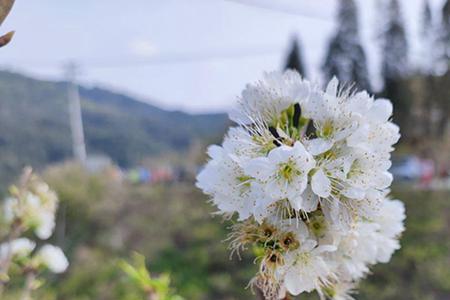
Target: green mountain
pixel 34 125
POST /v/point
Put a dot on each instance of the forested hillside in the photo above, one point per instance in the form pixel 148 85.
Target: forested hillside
pixel 35 130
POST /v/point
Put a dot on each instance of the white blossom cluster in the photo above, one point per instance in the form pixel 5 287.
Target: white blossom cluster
pixel 31 206
pixel 306 172
pixel 35 209
pixel 48 256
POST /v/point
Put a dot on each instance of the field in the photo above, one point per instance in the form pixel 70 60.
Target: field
pixel 101 220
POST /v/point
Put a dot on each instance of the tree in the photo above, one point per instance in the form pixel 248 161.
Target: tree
pixel 428 55
pixel 443 43
pixel 439 92
pixel 346 58
pixel 294 59
pixel 394 46
pixel 394 43
pixel 428 67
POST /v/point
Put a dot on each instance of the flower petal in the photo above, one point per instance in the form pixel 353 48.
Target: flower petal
pixel 321 184
pixel 292 284
pixel 380 111
pixel 310 200
pixel 318 146
pixel 296 202
pixel 332 86
pixel 259 167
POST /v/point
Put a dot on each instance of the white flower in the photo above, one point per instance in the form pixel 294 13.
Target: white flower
pixel 284 172
pixel 335 115
pixel 387 247
pixel 35 211
pixel 231 189
pixel 41 215
pixel 46 224
pixel 305 268
pixel 391 218
pixel 367 171
pixel 340 290
pixel 53 258
pixel 390 221
pixel 269 97
pixel 375 132
pixel 17 247
pixel 330 174
pixel 311 167
pixel 356 249
pixel 240 144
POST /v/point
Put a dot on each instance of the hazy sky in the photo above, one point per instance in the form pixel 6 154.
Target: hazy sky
pixel 194 55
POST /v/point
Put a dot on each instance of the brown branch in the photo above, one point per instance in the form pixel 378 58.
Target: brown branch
pixel 5 8
pixel 5 39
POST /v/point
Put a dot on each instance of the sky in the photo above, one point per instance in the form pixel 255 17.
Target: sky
pixel 191 55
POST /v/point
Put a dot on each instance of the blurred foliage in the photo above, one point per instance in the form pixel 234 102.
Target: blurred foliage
pixel 104 220
pixel 420 269
pixel 147 286
pixel 35 131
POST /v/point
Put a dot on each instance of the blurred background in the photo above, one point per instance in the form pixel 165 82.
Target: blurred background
pixel 114 104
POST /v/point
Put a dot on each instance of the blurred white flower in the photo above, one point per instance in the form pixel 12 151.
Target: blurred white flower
pixel 17 247
pixel 356 249
pixel 33 210
pixel 340 290
pixel 53 258
pixel 390 221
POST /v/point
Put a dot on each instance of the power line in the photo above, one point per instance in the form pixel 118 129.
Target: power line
pixel 163 59
pixel 283 10
pixel 181 58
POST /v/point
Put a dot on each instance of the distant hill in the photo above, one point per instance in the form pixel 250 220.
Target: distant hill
pixel 34 125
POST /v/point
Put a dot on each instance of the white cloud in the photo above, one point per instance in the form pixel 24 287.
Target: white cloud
pixel 142 47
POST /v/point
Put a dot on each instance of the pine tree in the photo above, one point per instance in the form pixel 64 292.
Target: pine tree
pixel 428 66
pixel 428 40
pixel 440 92
pixel 443 44
pixel 394 44
pixel 395 63
pixel 427 22
pixel 294 60
pixel 346 58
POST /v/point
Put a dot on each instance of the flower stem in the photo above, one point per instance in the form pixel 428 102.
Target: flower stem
pixel 28 288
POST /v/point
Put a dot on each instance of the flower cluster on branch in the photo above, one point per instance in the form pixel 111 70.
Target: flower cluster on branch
pixel 29 210
pixel 306 174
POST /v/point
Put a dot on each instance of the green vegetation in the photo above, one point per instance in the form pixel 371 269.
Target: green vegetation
pixel 102 220
pixel 420 269
pixel 146 285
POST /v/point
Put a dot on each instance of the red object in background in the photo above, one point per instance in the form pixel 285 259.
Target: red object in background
pixel 427 172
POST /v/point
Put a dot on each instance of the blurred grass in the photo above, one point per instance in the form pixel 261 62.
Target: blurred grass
pixel 421 268
pixel 172 226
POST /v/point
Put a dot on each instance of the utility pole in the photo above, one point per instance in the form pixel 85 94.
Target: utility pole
pixel 76 122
